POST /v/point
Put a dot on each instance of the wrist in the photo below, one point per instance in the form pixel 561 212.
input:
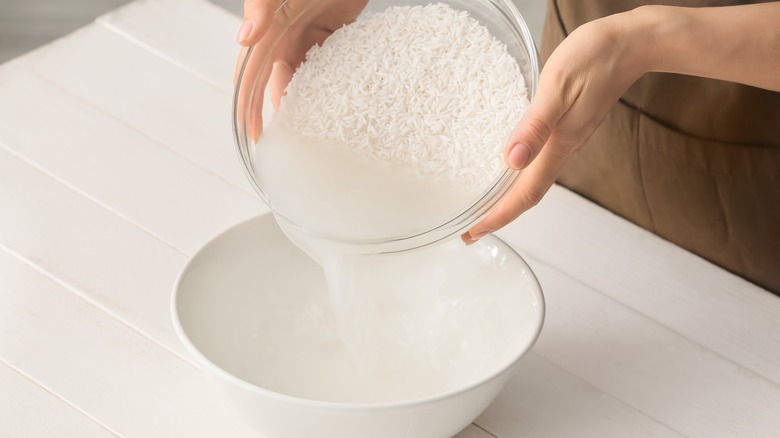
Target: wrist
pixel 655 36
pixel 668 31
pixel 633 40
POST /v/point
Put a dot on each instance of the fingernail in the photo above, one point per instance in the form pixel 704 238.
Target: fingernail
pixel 475 237
pixel 244 32
pixel 518 156
pixel 479 235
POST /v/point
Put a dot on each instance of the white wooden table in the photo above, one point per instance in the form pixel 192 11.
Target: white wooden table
pixel 117 163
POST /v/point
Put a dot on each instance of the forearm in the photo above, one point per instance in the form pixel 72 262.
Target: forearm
pixel 735 43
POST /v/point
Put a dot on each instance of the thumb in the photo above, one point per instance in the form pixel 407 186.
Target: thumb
pixel 280 76
pixel 531 134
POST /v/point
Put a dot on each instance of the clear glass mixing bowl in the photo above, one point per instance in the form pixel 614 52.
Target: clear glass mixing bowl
pixel 504 22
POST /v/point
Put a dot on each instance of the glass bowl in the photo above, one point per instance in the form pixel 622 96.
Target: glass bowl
pixel 393 223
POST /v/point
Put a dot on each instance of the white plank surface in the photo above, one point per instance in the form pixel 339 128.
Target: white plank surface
pixel 208 51
pixel 125 381
pixel 702 302
pixel 86 247
pixel 184 114
pixel 543 400
pixel 681 384
pixel 136 177
pixel 123 293
pixel 116 163
pixel 473 431
pixel 28 410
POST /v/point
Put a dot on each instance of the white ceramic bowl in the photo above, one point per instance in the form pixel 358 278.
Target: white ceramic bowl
pixel 223 292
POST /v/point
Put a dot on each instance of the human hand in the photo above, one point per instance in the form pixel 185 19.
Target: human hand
pixel 287 29
pixel 582 80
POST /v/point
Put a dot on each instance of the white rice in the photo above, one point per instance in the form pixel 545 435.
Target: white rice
pixel 421 86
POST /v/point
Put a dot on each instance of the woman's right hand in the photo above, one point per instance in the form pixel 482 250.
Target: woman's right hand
pixel 583 79
pixel 595 65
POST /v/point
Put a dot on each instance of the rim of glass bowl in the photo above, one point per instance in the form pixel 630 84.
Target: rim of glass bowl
pixel 477 208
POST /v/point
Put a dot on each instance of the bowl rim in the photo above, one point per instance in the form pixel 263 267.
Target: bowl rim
pixel 208 365
pixel 477 208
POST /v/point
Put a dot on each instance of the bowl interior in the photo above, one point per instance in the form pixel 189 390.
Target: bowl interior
pixel 253 307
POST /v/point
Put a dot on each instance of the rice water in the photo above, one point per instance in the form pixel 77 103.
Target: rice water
pixel 407 325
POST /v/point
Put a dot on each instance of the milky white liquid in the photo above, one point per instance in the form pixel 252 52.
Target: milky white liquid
pixel 398 326
pixel 343 195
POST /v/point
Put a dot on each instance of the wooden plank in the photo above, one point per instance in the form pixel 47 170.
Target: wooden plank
pixel 203 42
pixel 657 371
pixel 473 431
pixel 667 284
pixel 146 93
pixel 128 273
pixel 102 366
pixel 543 400
pixel 114 165
pixel 106 259
pixel 28 410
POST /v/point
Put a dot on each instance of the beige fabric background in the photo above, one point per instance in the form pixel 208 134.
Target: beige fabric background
pixel 696 161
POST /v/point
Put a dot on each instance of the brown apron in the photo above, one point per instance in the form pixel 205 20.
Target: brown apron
pixel 696 161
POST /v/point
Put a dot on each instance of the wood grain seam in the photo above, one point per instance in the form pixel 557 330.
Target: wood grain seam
pixel 484 430
pixel 159 54
pixel 75 290
pixel 27 377
pixel 607 393
pixel 650 319
pixel 156 141
pixel 89 197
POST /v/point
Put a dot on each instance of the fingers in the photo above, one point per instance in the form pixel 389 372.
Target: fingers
pixel 258 16
pixel 251 93
pixel 239 62
pixel 257 73
pixel 281 75
pixel 531 134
